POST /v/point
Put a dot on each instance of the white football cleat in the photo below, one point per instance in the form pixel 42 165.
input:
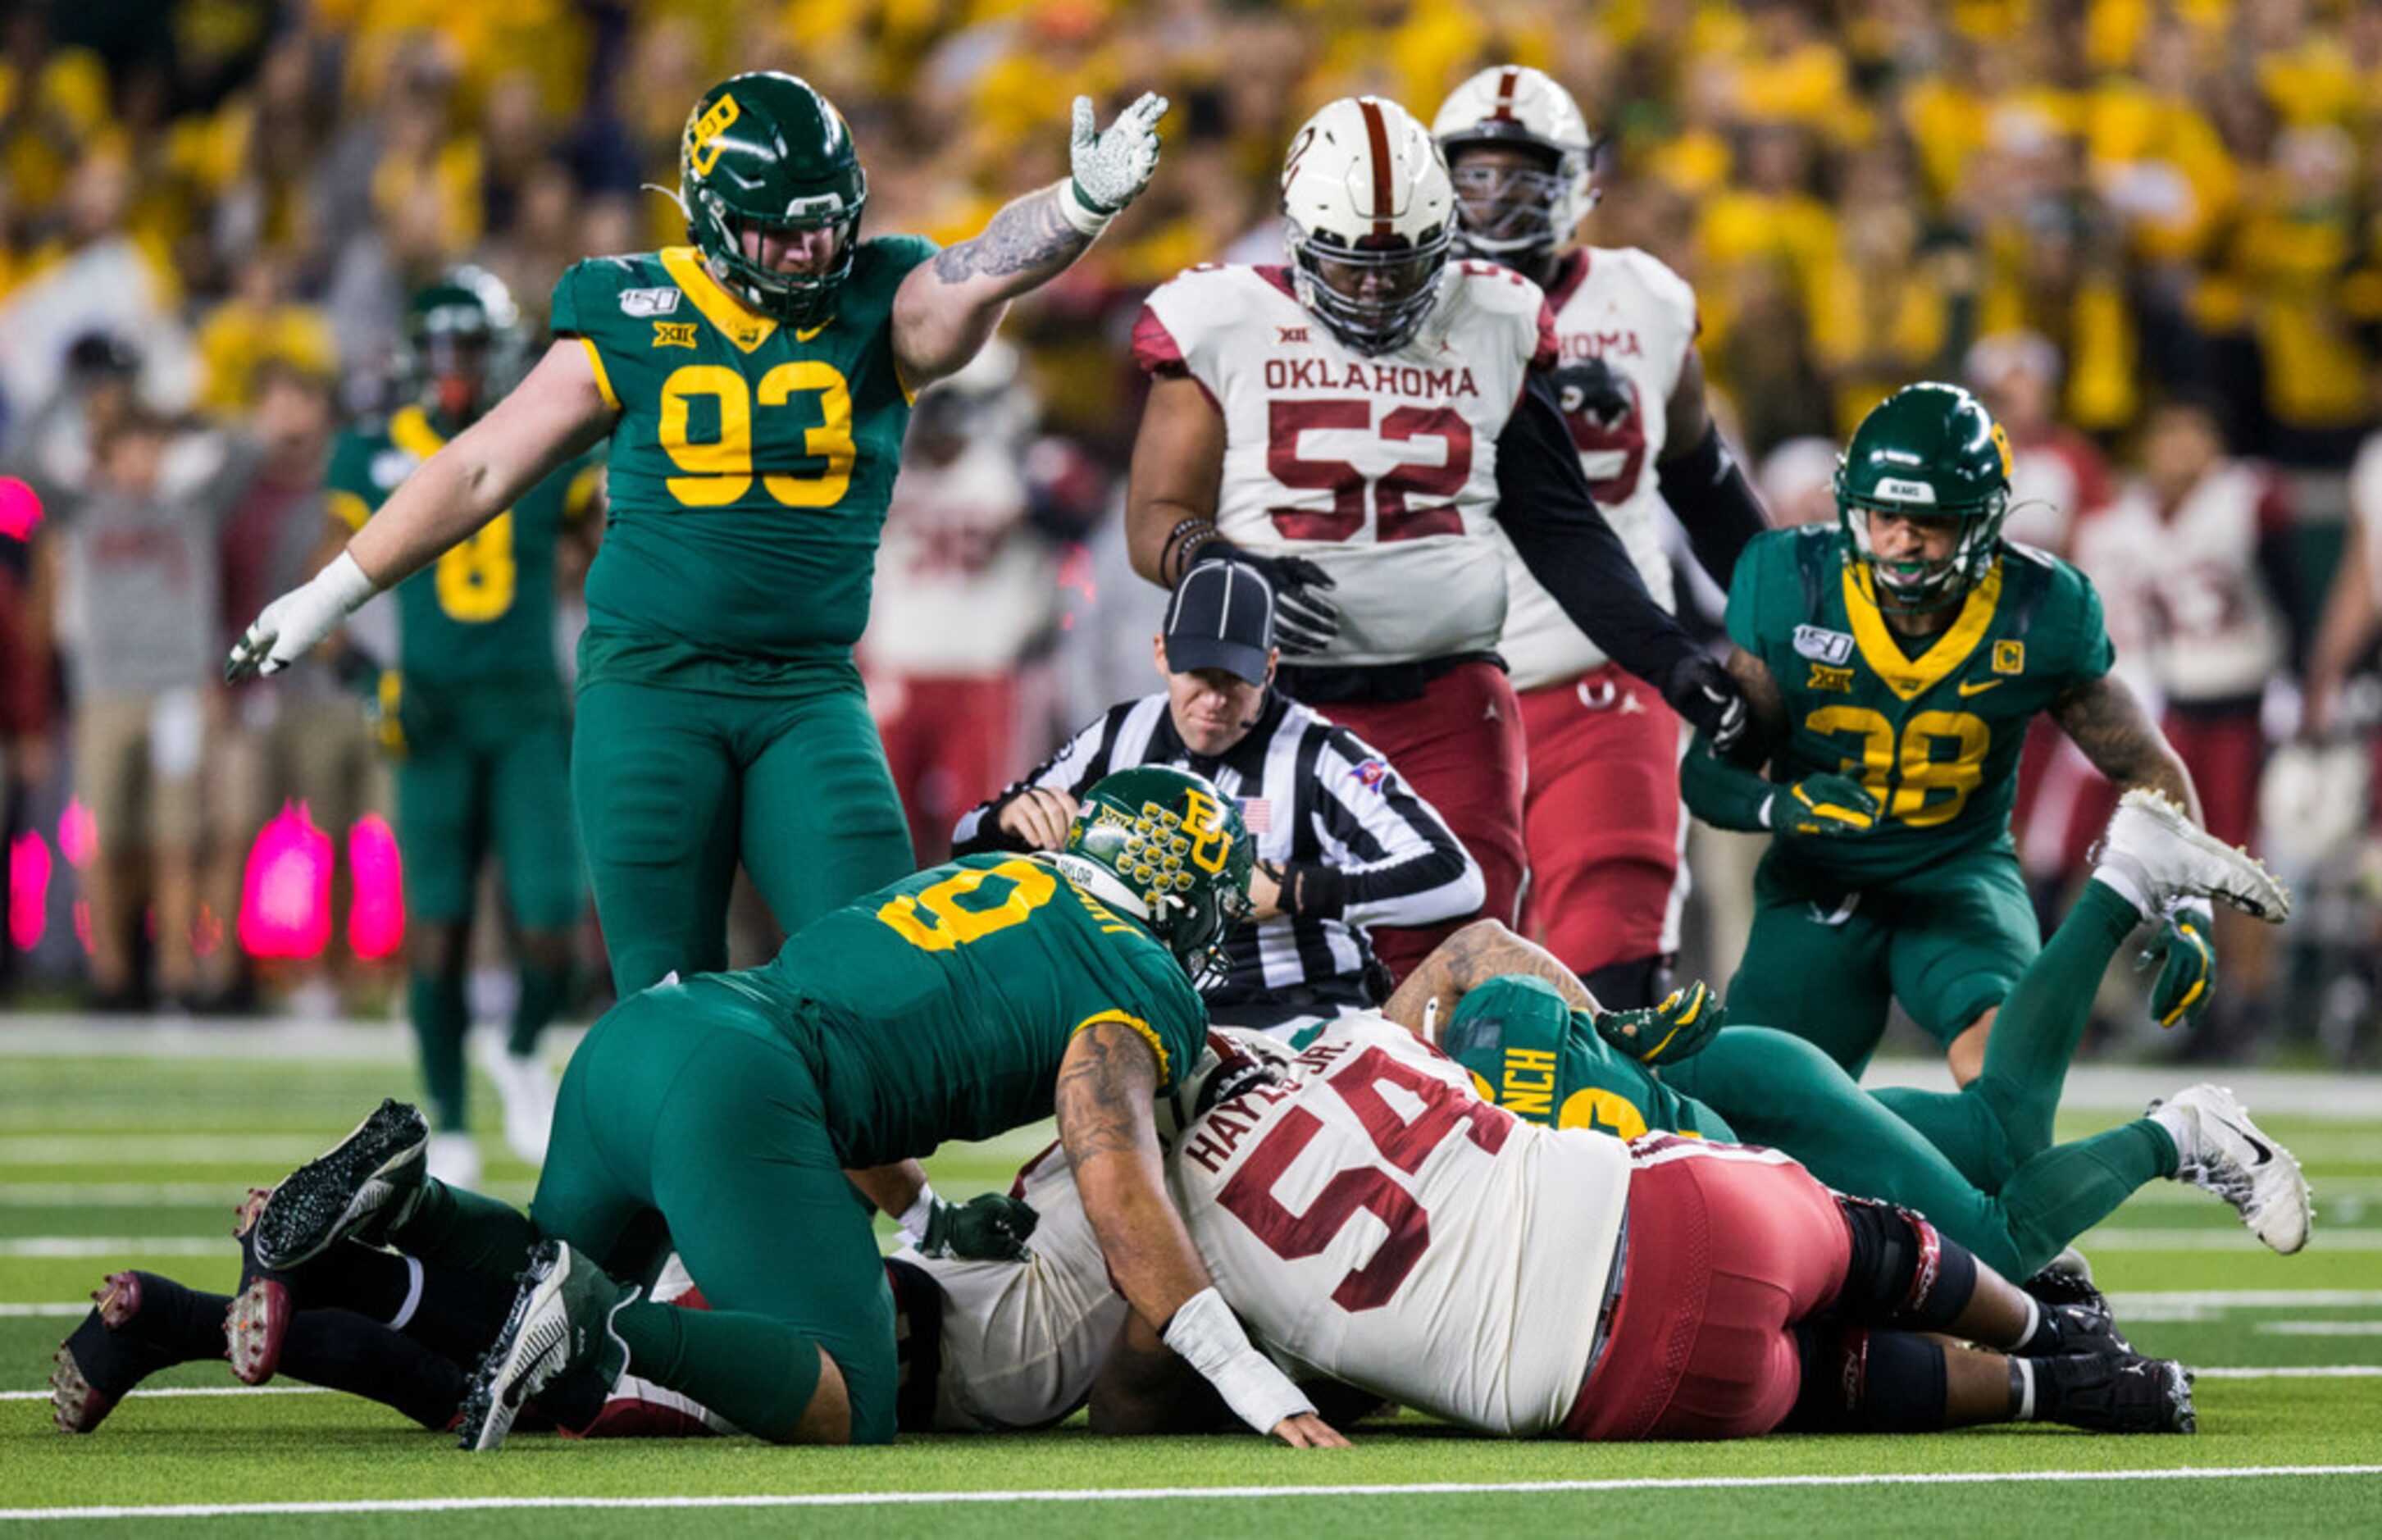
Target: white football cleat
pixel 2165 856
pixel 454 1159
pixel 526 1087
pixel 2219 1148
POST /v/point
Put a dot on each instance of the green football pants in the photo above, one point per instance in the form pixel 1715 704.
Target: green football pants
pixel 1948 943
pixel 468 790
pixel 674 787
pixel 1979 1163
pixel 685 1108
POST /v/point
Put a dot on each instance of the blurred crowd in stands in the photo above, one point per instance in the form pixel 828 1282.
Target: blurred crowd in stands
pixel 2149 231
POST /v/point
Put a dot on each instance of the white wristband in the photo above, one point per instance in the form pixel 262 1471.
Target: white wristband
pixel 1206 1335
pixel 1084 219
pixel 913 1222
pixel 345 583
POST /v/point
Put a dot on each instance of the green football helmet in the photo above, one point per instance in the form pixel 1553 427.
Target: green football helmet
pixel 463 342
pixel 767 150
pixel 1170 849
pixel 1929 451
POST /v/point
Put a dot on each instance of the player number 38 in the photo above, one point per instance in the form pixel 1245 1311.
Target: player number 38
pixel 1903 781
pixel 719 467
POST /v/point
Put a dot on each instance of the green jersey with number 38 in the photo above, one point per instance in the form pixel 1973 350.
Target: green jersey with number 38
pixel 483 611
pixel 1934 735
pixel 751 463
pixel 939 1007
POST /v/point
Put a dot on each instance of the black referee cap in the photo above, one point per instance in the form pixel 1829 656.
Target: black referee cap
pixel 1221 617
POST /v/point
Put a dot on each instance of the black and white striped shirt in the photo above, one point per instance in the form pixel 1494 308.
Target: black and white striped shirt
pixel 1323 805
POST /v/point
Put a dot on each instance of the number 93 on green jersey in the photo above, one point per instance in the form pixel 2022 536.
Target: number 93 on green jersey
pixel 751 459
pixel 1932 726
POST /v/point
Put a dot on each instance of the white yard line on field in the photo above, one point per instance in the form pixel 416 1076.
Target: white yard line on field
pixel 2320 1329
pixel 1182 1494
pixel 57 1246
pixel 2218 1238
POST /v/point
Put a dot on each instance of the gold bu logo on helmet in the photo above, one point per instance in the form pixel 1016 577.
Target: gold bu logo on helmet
pixel 703 133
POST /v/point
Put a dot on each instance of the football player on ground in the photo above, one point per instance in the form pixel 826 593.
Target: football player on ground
pixel 1377 1224
pixel 1601 815
pixel 754 386
pixel 477 713
pixel 1894 663
pixel 961 1002
pixel 1541 1048
pixel 1358 426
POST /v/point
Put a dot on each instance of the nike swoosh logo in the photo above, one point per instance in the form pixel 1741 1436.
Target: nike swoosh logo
pixel 1977 687
pixel 2264 1154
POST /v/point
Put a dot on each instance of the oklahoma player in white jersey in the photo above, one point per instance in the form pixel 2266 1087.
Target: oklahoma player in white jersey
pixel 1603 812
pixel 1351 425
pixel 1376 1224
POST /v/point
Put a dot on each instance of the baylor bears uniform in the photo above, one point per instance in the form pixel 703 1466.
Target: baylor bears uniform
pixel 1928 907
pixel 720 715
pixel 936 1008
pixel 1530 1052
pixel 476 703
pixel 1534 1055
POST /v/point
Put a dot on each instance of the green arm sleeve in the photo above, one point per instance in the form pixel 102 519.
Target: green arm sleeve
pixel 1724 794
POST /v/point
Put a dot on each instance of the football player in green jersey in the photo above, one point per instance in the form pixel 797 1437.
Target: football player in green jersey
pixel 476 713
pixel 754 386
pixel 1894 663
pixel 1537 1044
pixel 727 1109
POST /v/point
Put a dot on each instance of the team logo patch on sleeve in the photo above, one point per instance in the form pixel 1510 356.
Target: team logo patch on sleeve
pixel 674 334
pixel 1371 775
pixel 1823 645
pixel 1839 681
pixel 646 303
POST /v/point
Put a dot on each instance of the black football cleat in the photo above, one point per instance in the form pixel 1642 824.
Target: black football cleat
pixel 364 1184
pixel 103 1360
pixel 560 1326
pixel 2130 1394
pixel 258 1319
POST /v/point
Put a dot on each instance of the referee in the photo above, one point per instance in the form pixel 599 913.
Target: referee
pixel 1341 843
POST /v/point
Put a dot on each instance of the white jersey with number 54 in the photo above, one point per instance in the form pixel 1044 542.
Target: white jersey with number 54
pixel 1380 470
pixel 1375 1222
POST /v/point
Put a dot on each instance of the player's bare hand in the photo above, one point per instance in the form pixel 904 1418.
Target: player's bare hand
pixel 1040 815
pixel 1306 1431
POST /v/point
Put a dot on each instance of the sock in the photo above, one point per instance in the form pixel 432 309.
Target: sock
pixel 1629 986
pixel 2069 1187
pixel 543 987
pixel 2040 1335
pixel 342 1350
pixel 182 1323
pixel 462 1229
pixel 441 1018
pixel 451 1310
pixel 757 1372
pixel 2022 1373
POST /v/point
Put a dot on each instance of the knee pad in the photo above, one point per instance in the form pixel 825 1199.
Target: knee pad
pixel 1629 986
pixel 1902 1273
pixel 1856 1380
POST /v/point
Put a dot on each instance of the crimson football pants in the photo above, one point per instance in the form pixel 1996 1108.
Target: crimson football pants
pixel 1729 1245
pixel 1602 818
pixel 947 742
pixel 1459 747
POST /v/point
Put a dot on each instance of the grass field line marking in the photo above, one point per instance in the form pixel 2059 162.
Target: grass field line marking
pixel 56 1247
pixel 2248 1372
pixel 284 1149
pixel 2215 1238
pixel 2246 1298
pixel 189 1390
pixel 2320 1329
pixel 1179 1494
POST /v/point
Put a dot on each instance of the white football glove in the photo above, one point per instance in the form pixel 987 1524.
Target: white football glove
pixel 294 625
pixel 1111 167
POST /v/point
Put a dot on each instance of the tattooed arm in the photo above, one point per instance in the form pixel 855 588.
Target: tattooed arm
pixel 2103 718
pixel 945 311
pixel 1106 1085
pixel 1481 951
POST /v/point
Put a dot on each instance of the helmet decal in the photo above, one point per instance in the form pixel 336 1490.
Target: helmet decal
pixel 702 131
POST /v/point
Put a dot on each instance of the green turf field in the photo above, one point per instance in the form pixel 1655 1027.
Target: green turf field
pixel 130 1151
